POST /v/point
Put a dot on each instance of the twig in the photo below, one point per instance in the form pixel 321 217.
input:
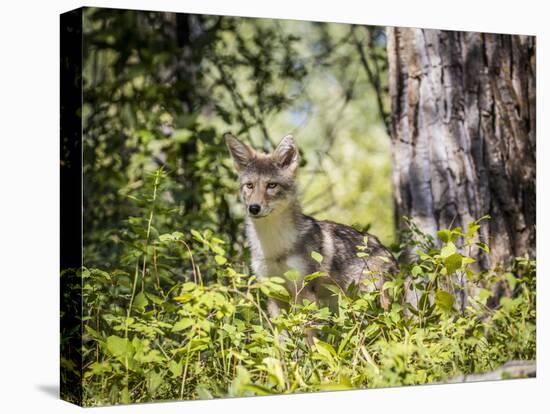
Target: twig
pixel 375 82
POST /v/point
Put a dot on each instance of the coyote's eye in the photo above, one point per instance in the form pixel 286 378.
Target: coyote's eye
pixel 272 185
pixel 249 185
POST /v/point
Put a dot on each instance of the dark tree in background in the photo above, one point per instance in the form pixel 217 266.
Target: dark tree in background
pixel 463 133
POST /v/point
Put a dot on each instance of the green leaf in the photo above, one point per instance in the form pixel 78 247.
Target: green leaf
pixel 444 235
pixel 448 250
pixel 333 288
pixel 484 294
pixel 154 298
pixel 472 229
pixel 197 235
pixel 188 286
pixel 182 324
pixel 313 276
pixel 483 247
pixel 119 347
pixel 177 235
pixel 184 297
pixel 101 273
pixel 511 279
pixel 317 256
pixel 118 272
pixel 220 260
pixel 346 339
pixel 203 393
pixel 140 301
pixel 416 270
pixel 384 259
pixel 220 251
pixel 371 330
pixel 257 389
pixel 175 368
pixel 444 300
pixel 467 260
pixel 343 384
pixel 165 238
pixel 275 370
pixel 93 333
pixel 424 302
pixel 293 275
pixel 98 368
pixel 241 378
pixel 154 381
pixel 453 263
pixel 510 304
pixel 275 291
pixel 324 348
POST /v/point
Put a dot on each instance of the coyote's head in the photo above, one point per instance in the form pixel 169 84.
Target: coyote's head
pixel 267 181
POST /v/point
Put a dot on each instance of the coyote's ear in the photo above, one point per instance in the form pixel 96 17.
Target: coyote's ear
pixel 286 154
pixel 241 153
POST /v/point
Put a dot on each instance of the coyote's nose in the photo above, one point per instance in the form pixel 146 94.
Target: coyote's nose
pixel 254 209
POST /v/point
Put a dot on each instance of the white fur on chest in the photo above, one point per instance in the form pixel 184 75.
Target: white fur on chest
pixel 272 240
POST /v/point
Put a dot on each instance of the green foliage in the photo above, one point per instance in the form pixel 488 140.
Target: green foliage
pixel 152 334
pixel 170 310
pixel 160 89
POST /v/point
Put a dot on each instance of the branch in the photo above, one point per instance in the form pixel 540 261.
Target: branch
pixel 511 369
pixel 374 81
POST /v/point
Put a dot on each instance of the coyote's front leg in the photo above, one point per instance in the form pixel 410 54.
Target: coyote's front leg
pixel 274 307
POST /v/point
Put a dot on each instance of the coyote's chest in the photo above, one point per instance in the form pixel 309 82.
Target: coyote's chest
pixel 272 244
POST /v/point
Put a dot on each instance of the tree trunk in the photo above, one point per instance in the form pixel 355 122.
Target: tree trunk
pixel 463 133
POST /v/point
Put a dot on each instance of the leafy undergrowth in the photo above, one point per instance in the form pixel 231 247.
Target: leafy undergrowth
pixel 151 334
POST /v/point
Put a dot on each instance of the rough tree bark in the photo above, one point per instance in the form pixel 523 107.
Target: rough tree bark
pixel 463 133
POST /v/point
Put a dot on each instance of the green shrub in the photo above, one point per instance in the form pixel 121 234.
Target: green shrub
pixel 179 318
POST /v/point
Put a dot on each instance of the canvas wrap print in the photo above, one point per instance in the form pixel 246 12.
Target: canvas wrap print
pixel 261 206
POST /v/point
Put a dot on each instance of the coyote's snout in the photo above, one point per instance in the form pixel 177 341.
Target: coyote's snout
pixel 282 238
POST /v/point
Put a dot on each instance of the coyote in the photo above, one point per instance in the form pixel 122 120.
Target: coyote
pixel 282 238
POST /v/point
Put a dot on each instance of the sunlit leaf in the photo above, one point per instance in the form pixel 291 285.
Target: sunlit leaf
pixel 453 263
pixel 448 250
pixel 317 256
pixel 444 300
